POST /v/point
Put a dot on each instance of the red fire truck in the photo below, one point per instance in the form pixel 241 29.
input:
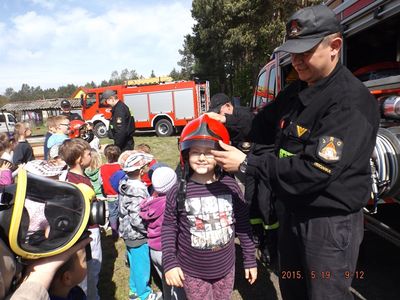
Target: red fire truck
pixel 371 50
pixel 163 107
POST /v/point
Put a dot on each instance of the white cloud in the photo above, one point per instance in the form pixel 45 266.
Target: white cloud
pixel 49 4
pixel 79 46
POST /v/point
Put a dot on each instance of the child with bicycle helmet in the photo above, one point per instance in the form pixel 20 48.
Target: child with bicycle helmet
pixel 203 213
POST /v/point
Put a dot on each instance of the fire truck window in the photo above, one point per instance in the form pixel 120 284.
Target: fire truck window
pixel 261 95
pixel 90 100
pixel 271 84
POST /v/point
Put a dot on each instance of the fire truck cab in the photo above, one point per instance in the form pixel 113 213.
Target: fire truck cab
pixel 164 107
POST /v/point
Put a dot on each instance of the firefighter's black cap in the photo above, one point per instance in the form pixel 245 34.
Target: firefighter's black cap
pixel 307 27
pixel 65 104
pixel 107 94
pixel 217 101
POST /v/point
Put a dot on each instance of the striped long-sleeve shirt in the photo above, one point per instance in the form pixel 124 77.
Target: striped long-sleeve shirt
pixel 200 239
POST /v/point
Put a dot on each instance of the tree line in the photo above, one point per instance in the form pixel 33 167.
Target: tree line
pixel 230 42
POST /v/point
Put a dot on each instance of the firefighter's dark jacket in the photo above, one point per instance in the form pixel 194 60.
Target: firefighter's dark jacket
pixel 239 124
pixel 121 124
pixel 302 121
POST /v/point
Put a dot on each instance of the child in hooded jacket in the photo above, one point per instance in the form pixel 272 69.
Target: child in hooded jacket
pixel 131 227
pixel 152 212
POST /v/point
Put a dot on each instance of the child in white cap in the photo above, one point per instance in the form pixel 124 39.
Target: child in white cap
pixel 163 179
pixel 131 228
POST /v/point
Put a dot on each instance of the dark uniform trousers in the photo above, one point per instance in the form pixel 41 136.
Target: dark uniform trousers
pixel 316 250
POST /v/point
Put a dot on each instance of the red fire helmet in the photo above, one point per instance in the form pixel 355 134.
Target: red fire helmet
pixel 203 131
pixel 75 127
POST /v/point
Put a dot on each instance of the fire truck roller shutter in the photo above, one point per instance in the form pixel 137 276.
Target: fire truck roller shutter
pixel 387 160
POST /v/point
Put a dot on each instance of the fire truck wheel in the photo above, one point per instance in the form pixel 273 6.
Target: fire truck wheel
pixel 164 128
pixel 100 130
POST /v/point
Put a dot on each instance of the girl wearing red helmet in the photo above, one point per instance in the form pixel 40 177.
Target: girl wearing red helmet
pixel 202 215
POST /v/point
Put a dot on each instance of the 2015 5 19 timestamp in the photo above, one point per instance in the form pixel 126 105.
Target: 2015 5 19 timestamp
pixel 323 275
pixel 311 274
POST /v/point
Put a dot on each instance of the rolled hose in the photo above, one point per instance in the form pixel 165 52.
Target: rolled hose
pixel 387 160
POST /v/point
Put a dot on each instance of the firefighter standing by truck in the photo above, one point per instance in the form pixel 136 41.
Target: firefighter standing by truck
pixel 324 127
pixel 122 124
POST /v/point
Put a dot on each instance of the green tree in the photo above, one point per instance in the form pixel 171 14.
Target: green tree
pixel 124 75
pixel 152 75
pixel 188 61
pixel 114 78
pixel 9 92
pixel 66 91
pixel 175 74
pixel 133 74
pixel 232 39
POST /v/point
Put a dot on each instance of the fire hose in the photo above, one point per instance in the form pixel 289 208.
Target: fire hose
pixel 385 165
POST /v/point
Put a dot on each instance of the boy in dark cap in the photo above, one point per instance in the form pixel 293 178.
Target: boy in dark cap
pixel 324 127
pixel 66 111
pixel 122 124
pixel 236 119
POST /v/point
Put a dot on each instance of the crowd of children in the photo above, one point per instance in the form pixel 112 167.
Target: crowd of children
pixel 143 199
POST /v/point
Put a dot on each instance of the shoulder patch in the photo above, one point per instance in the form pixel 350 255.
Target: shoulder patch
pixel 330 148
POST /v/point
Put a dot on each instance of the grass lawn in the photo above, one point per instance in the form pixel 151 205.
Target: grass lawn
pixel 164 149
pixel 114 275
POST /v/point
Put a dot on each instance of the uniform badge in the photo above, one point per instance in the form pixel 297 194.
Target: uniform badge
pixel 119 120
pixel 294 29
pixel 330 148
pixel 301 130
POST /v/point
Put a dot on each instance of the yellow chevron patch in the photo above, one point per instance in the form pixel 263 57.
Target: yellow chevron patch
pixel 301 130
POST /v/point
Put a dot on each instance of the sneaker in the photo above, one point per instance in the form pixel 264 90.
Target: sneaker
pixel 133 297
pixel 155 296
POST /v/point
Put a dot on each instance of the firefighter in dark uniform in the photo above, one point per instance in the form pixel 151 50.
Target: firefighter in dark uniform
pixel 122 124
pixel 324 127
pixel 66 111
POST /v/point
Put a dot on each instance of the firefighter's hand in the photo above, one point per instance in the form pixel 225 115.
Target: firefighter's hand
pixel 230 159
pixel 250 274
pixel 218 117
pixel 175 277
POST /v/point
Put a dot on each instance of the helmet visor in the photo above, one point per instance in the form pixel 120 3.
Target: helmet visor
pixel 209 143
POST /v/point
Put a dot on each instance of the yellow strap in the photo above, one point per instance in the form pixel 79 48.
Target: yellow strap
pixel 272 226
pixel 258 221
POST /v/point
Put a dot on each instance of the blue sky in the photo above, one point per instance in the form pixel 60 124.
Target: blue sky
pixel 50 43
